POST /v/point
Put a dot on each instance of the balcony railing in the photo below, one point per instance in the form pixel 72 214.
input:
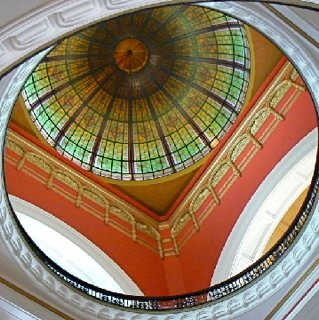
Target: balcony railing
pixel 188 300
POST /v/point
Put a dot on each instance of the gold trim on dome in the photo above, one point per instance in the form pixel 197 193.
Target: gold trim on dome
pixel 82 191
pixel 14 147
pixel 167 237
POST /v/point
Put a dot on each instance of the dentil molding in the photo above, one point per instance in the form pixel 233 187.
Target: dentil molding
pixel 58 18
pixel 46 25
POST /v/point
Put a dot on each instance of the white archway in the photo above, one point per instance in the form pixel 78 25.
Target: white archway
pixel 80 256
pixel 251 233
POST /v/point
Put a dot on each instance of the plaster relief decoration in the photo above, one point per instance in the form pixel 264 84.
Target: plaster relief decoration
pixel 230 306
pixel 239 150
pixel 225 168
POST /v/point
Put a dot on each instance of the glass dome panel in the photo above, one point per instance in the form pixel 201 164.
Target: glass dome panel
pixel 144 95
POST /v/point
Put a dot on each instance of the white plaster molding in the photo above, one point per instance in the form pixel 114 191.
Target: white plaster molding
pixel 287 180
pixel 298 299
pixel 297 16
pixel 56 18
pixel 299 311
pixel 15 306
pixel 19 41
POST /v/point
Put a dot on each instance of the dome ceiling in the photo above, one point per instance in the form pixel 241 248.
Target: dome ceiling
pixel 143 95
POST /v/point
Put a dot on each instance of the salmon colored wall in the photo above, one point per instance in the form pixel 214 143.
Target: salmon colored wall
pixel 141 264
pixel 193 269
pixel 97 179
pixel 229 133
pixel 199 256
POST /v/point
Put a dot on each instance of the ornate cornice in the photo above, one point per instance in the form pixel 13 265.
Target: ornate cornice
pixel 229 307
pixel 228 166
pixel 54 20
pixel 237 153
pixel 83 192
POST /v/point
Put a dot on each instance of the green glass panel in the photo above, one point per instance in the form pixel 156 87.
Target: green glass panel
pixel 123 124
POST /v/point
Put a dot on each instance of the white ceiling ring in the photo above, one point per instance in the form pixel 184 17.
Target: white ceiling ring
pixel 30 31
pixel 229 307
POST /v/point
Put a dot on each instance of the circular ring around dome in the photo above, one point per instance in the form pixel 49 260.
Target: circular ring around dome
pixel 143 95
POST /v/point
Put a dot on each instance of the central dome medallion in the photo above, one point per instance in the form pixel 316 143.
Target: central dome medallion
pixel 130 55
pixel 144 95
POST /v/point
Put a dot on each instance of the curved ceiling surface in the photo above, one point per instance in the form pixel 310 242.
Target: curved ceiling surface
pixel 143 95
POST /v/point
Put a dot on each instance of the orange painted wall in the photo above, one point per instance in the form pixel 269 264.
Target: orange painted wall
pixel 141 264
pixel 193 269
pixel 199 256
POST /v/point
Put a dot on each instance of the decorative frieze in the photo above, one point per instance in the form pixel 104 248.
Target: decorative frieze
pixel 224 170
pixel 291 265
pixel 239 150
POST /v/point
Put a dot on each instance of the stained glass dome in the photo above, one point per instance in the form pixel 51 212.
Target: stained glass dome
pixel 143 95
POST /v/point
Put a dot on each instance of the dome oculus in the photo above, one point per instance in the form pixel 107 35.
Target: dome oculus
pixel 143 95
